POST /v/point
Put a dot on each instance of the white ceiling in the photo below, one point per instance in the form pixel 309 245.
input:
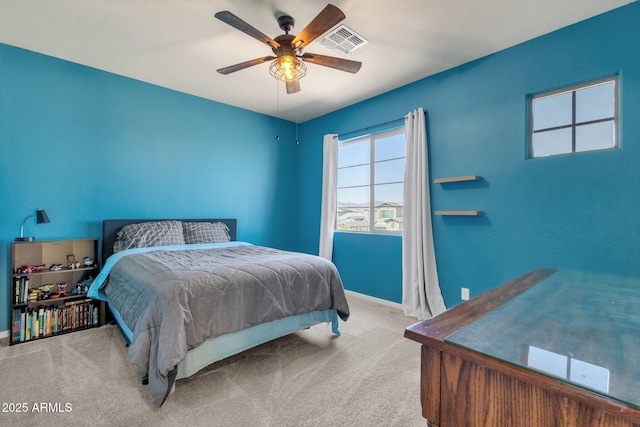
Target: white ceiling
pixel 179 44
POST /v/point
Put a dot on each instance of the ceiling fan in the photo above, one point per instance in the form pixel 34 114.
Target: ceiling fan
pixel 288 63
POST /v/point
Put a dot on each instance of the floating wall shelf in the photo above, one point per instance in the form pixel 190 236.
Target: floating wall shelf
pixel 459 213
pixel 457 179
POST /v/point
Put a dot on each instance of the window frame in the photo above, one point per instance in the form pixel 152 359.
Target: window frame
pixel 575 125
pixel 372 177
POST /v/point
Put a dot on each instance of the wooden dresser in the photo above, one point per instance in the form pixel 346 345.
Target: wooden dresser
pixel 545 349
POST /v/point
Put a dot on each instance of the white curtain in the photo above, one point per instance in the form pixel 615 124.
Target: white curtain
pixel 329 203
pixel 421 296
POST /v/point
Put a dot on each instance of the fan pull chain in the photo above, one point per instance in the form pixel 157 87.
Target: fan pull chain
pixel 298 116
pixel 278 111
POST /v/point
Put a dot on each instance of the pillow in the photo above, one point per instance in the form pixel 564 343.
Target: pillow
pixel 147 234
pixel 205 232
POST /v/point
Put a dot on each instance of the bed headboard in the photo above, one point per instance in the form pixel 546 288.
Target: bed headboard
pixel 110 228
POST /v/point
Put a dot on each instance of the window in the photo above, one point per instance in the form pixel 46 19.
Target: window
pixel 370 185
pixel 581 118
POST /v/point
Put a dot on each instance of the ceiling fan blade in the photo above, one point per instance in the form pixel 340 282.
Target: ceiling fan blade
pixel 293 87
pixel 333 62
pixel 231 19
pixel 241 66
pixel 326 19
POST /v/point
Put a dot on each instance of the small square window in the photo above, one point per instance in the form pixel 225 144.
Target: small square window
pixel 576 119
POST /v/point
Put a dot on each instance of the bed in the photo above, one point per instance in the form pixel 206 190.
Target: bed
pixel 186 293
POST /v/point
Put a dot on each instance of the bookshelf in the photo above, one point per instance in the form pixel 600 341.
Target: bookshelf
pixel 48 288
pixel 454 179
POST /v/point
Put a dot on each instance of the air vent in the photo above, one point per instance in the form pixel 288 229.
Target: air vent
pixel 343 39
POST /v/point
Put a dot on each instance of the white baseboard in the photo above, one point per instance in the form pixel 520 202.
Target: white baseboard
pixel 374 299
pixel 4 334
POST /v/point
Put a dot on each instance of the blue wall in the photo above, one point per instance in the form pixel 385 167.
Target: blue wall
pixel 87 145
pixel 566 212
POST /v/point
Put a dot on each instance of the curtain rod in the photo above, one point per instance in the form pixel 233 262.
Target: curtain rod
pixel 363 131
pixel 379 127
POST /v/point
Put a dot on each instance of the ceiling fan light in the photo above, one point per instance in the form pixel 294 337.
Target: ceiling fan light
pixel 288 68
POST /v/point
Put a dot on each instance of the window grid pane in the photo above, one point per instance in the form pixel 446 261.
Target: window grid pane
pixel 354 153
pixel 552 111
pixel 353 175
pixel 354 196
pixel 389 171
pixel 595 102
pixel 390 147
pixel 596 136
pixel 552 142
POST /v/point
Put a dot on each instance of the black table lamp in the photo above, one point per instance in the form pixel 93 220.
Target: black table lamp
pixel 41 218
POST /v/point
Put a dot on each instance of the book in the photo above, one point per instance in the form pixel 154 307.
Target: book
pixel 27 327
pixel 15 325
pixel 24 289
pixel 41 321
pixel 16 287
pixel 22 325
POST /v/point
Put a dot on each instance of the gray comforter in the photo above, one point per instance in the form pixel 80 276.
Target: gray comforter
pixel 175 300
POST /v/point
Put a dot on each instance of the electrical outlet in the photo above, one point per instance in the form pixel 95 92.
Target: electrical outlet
pixel 464 294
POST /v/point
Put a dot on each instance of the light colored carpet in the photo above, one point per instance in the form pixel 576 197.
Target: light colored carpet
pixel 369 376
